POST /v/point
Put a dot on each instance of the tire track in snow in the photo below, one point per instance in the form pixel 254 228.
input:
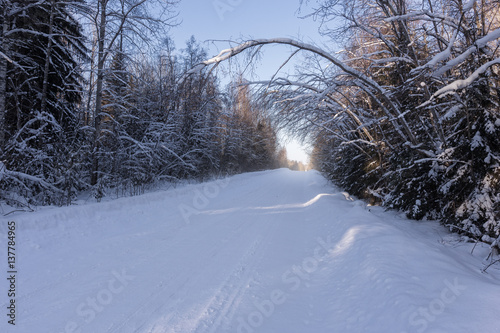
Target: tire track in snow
pixel 223 304
pixel 230 293
pixel 225 301
pixel 231 290
pixel 154 305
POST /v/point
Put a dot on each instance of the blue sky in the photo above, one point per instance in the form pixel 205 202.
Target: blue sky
pixel 245 19
pixel 232 19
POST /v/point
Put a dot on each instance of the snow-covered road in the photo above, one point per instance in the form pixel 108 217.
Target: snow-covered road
pixel 275 251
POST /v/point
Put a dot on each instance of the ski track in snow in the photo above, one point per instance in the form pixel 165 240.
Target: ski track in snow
pixel 138 265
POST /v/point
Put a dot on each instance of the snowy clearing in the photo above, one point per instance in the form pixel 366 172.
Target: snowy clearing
pixel 274 251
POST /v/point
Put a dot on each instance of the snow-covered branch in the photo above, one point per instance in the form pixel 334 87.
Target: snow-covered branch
pixel 368 84
pixel 464 83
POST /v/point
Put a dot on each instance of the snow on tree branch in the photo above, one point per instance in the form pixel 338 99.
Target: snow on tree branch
pixel 368 83
pixel 464 83
pixel 479 44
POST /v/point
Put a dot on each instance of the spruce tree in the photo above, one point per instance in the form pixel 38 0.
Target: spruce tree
pixel 44 46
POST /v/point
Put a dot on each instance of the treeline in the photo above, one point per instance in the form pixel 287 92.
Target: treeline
pixel 94 97
pixel 407 114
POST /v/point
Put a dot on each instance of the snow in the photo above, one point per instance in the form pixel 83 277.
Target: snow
pixel 479 44
pixel 452 112
pixel 469 5
pixel 460 84
pixel 273 251
pixel 477 141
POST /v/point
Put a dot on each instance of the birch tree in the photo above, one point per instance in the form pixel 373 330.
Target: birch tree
pixel 112 21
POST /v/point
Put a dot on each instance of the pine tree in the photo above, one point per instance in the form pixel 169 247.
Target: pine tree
pixel 44 45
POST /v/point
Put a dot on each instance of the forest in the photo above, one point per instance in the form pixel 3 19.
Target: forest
pixel 95 97
pixel 91 99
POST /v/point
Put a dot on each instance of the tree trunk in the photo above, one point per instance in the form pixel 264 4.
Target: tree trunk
pixel 3 76
pixel 99 87
pixel 46 70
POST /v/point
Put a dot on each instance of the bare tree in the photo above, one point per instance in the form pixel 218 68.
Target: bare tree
pixel 112 21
